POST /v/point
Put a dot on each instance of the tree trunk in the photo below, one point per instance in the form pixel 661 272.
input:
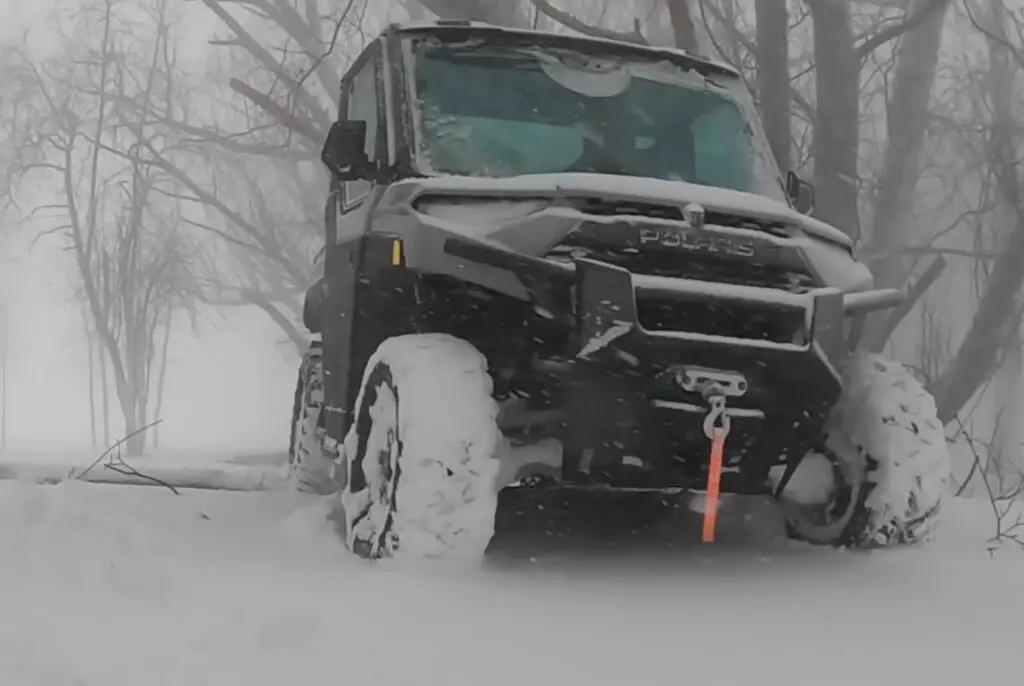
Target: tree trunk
pixel 998 310
pixel 1005 450
pixel 997 318
pixel 918 59
pixel 131 397
pixel 683 28
pixel 1004 455
pixel 104 395
pixel 416 11
pixel 135 443
pixel 837 125
pixel 91 351
pixel 136 400
pixel 502 12
pixel 773 77
pixel 161 376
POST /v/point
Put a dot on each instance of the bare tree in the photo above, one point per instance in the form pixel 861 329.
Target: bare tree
pixel 837 122
pixel 270 221
pixel 773 77
pixel 907 118
pixel 997 318
pixel 114 210
pixel 1008 436
pixel 916 29
pixel 251 162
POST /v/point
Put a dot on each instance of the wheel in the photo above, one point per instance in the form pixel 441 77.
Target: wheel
pixel 310 464
pixel 422 472
pixel 883 470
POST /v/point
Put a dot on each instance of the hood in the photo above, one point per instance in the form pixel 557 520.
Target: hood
pixel 635 189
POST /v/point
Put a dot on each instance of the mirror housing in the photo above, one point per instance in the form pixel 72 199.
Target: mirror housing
pixel 800 192
pixel 344 151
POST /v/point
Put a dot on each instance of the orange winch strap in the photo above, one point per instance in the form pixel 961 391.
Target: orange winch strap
pixel 714 484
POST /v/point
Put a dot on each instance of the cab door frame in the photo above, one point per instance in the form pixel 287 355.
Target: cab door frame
pixel 350 205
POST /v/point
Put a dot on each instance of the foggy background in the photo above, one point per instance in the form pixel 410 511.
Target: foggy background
pixel 904 113
pixel 229 382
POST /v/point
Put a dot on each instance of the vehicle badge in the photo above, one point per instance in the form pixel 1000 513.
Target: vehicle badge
pixel 694 215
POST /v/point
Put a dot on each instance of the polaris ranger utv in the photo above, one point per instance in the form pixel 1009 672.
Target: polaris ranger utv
pixel 572 263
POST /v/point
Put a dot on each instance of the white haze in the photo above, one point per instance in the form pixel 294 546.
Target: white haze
pixel 229 383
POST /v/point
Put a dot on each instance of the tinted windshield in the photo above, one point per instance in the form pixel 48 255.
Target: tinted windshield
pixel 499 111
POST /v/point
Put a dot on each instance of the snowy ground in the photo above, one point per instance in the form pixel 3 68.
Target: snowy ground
pixel 109 585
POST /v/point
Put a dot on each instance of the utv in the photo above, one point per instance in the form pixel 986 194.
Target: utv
pixel 556 262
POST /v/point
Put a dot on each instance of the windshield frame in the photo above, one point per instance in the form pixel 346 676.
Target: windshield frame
pixel 770 182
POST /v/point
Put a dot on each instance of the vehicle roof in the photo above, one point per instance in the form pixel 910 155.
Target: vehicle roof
pixel 476 27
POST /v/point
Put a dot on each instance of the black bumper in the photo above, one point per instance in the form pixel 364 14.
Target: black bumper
pixel 790 384
pixel 610 302
pixel 625 397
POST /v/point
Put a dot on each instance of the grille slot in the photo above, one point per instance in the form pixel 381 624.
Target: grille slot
pixel 627 208
pixel 702 267
pixel 736 320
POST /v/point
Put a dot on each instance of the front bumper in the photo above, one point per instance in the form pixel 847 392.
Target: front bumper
pixel 609 301
pixel 792 373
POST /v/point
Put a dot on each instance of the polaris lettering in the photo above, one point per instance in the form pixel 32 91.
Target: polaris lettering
pixel 697 242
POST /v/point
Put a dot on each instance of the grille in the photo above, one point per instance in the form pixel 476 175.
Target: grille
pixel 622 208
pixel 720 268
pixel 657 312
pixel 682 265
pixel 737 320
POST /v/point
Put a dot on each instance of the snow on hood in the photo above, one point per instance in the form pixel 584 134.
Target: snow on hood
pixel 639 189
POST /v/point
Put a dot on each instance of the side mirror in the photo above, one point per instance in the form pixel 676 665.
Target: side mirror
pixel 800 192
pixel 344 151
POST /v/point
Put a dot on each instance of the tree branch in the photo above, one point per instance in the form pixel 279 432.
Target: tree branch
pixel 914 294
pixel 880 38
pixel 569 21
pixel 312 133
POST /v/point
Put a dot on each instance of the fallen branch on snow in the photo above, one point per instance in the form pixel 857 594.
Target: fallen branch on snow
pixel 115 462
pixel 118 465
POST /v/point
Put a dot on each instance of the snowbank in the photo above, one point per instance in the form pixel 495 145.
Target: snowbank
pixel 111 586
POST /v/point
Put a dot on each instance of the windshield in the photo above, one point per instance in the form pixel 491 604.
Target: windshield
pixel 506 110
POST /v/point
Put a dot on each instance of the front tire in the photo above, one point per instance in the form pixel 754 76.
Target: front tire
pixel 422 476
pixel 891 460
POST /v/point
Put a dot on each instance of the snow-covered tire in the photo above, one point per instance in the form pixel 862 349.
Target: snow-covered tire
pixel 892 458
pixel 422 471
pixel 310 464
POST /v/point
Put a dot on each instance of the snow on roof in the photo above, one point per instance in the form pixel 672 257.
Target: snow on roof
pixel 484 26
